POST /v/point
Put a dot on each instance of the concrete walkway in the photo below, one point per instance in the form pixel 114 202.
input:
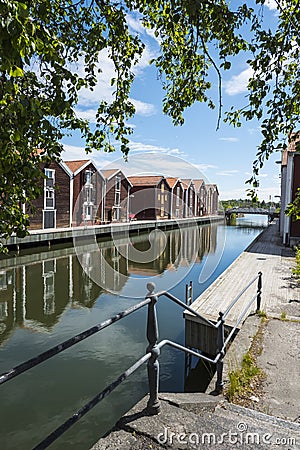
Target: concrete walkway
pixel 275 412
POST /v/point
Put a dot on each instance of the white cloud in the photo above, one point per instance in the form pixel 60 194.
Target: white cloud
pixel 154 160
pixel 140 147
pixel 73 152
pixel 271 4
pixel 88 114
pixel 228 139
pixel 90 99
pixel 204 167
pixel 142 108
pixel 227 173
pixel 136 25
pixel 238 83
pixel 263 175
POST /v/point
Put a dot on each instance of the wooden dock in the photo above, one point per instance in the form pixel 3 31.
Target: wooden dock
pixel 267 255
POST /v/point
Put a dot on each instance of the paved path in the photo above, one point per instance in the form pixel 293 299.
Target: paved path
pixel 280 292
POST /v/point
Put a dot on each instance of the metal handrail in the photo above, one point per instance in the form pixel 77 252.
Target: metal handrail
pixel 235 300
pixel 180 303
pixel 151 356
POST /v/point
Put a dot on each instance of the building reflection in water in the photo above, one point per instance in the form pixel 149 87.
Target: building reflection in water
pixel 36 289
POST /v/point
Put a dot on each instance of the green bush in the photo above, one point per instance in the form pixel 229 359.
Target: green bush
pixel 296 270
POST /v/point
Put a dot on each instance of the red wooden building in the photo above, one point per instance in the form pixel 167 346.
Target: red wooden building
pixel 116 202
pixel 176 198
pixel 189 198
pixel 201 198
pixel 212 199
pixel 290 182
pixel 86 192
pixel 52 208
pixel 149 198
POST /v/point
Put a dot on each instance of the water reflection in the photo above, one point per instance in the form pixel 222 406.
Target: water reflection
pixel 48 297
pixel 36 289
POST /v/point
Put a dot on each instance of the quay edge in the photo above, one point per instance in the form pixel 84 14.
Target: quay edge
pixel 64 235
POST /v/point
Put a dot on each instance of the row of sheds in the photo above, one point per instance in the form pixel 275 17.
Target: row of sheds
pixel 76 193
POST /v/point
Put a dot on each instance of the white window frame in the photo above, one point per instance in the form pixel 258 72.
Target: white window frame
pixel 88 177
pixel 117 191
pixel 177 195
pixel 49 190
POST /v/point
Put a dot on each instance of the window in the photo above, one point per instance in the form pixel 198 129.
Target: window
pixel 88 195
pixel 162 187
pixel 49 182
pixel 49 195
pixel 177 195
pixel 3 281
pixel 116 214
pixel 117 191
pixel 88 177
pixel 88 212
pixel 49 269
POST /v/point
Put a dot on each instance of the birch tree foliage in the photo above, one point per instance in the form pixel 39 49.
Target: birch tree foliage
pixel 43 42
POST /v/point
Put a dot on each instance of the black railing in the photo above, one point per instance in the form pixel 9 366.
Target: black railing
pixel 151 356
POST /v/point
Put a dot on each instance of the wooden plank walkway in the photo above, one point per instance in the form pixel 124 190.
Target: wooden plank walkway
pixel 267 255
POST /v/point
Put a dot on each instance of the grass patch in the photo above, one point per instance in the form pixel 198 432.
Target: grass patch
pixel 263 315
pixel 247 380
pixel 241 380
pixel 283 315
pixel 296 270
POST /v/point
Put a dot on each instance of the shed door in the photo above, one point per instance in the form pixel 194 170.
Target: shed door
pixel 49 219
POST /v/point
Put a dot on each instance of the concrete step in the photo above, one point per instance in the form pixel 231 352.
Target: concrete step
pixel 199 421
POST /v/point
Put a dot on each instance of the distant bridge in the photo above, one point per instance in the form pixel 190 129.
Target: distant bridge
pixel 243 210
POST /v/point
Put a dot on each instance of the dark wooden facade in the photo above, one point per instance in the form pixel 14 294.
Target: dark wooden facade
pixel 87 190
pixel 117 200
pixel 295 225
pixel 52 208
pixel 201 198
pixel 212 200
pixel 149 198
pixel 189 198
pixel 176 198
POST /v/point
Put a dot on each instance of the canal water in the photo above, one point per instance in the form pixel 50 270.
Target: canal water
pixel 48 296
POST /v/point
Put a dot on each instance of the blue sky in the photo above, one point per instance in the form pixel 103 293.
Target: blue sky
pixel 195 149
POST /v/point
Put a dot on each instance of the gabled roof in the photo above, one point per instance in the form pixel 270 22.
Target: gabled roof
pixel 77 165
pixel 198 184
pixel 110 173
pixel 172 181
pixel 145 180
pixel 186 182
pixel 213 187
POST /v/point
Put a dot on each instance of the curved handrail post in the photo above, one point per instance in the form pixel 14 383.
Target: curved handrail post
pixel 220 350
pixel 259 287
pixel 153 405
